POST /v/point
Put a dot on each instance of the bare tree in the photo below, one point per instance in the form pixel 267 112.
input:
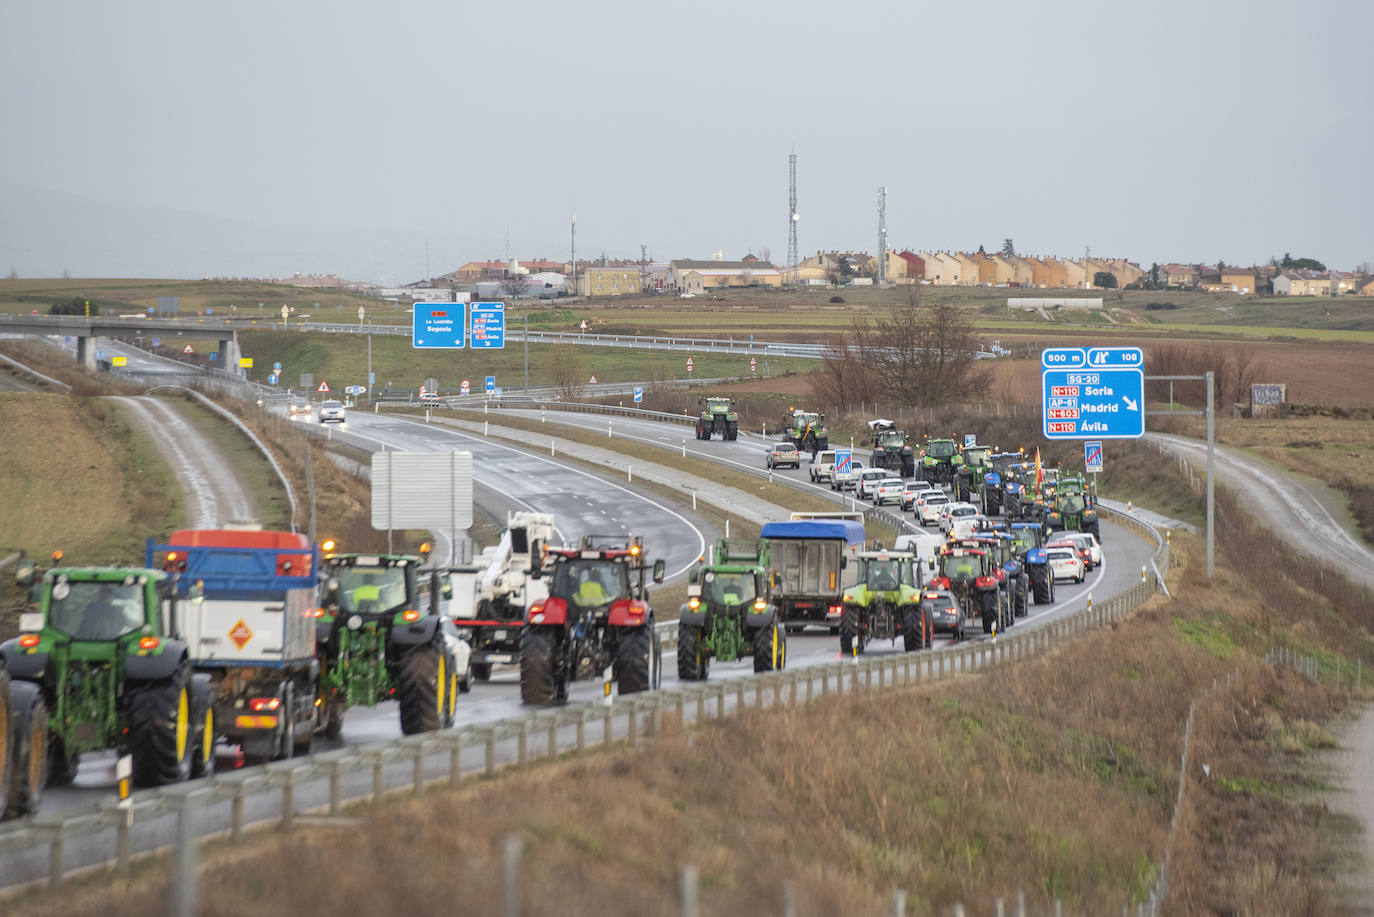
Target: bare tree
pixel 846 376
pixel 513 286
pixel 927 353
pixel 569 372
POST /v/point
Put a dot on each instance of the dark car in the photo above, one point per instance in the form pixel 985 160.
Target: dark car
pixel 946 615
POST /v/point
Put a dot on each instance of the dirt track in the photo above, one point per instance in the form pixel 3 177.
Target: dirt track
pixel 213 493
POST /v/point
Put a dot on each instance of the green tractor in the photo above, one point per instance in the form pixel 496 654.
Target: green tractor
pixel 885 603
pixel 1072 507
pixel 940 461
pixel 101 665
pixel 375 642
pixel 971 474
pixel 717 416
pixel 729 613
pixel 891 449
pixel 806 430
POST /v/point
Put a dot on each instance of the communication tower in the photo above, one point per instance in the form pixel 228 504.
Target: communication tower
pixel 881 277
pixel 793 277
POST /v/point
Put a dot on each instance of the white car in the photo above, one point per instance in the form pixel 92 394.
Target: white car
pixel 913 489
pixel 1066 564
pixel 1085 541
pixel 868 480
pixel 928 507
pixel 888 490
pixel 331 411
pixel 951 511
pixel 822 466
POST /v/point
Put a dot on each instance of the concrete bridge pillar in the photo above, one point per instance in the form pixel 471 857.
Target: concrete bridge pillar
pixel 229 353
pixel 85 351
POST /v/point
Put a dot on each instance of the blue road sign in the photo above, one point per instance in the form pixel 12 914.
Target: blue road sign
pixel 970 439
pixel 1092 456
pixel 844 459
pixel 100 354
pixel 156 342
pixel 639 394
pixel 371 378
pixel 488 325
pixel 1098 393
pixel 276 367
pixel 272 378
pixel 491 383
pixel 214 354
pixel 438 325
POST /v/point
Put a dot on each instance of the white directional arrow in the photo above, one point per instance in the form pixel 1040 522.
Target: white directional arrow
pixel 1130 405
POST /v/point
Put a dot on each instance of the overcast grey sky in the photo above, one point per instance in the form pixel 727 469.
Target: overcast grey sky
pixel 252 138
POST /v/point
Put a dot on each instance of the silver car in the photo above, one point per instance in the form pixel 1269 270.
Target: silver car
pixel 331 411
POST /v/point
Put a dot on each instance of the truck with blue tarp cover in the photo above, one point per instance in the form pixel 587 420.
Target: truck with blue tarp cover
pixel 808 558
pixel 250 597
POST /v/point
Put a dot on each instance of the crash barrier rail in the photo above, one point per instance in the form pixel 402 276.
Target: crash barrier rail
pixel 29 370
pixel 415 762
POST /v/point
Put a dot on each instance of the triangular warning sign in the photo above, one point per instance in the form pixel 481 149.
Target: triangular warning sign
pixel 188 349
pixel 324 386
pixel 593 381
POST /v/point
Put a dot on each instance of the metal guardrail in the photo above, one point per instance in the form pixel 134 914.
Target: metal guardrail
pixel 437 757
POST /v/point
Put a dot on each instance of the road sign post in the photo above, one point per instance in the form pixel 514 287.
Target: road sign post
pixel 490 384
pixel 1096 392
pixel 639 394
pixel 488 325
pixel 690 364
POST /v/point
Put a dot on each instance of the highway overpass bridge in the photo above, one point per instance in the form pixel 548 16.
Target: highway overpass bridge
pixel 85 330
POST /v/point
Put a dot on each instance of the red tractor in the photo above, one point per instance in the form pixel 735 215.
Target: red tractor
pixel 597 616
pixel 974 577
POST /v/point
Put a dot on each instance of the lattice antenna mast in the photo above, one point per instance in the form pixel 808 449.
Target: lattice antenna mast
pixel 572 259
pixel 882 236
pixel 792 218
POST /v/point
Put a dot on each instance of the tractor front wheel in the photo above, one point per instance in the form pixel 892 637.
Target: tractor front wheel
pixel 851 636
pixel 635 661
pixel 692 663
pixel 770 648
pixel 541 681
pixel 422 688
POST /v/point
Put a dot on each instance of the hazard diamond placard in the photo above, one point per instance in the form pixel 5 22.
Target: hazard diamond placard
pixel 324 386
pixel 240 634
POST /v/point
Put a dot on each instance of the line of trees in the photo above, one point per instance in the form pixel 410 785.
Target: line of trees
pixel 915 354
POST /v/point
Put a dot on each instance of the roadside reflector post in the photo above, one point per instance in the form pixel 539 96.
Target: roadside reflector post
pixel 727 528
pixel 485 426
pixel 629 473
pixel 124 772
pixel 609 429
pixel 510 876
pixel 1142 573
pixel 551 449
pixel 684 448
pixel 427 415
pixel 606 686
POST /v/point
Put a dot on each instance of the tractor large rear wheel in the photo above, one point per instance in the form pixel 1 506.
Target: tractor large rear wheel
pixel 635 664
pixel 27 749
pixel 541 683
pixel 422 688
pixel 915 625
pixel 1040 585
pixel 731 430
pixel 988 603
pixel 693 663
pixel 160 730
pixel 770 648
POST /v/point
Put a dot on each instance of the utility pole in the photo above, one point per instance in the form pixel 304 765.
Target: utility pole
pixel 527 352
pixel 573 258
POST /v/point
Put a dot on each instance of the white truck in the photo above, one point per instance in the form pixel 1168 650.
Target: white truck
pixel 490 595
pixel 250 599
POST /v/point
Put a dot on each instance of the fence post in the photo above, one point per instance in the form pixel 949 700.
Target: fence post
pixel 522 743
pixel 288 800
pixel 491 752
pixel 899 903
pixel 582 729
